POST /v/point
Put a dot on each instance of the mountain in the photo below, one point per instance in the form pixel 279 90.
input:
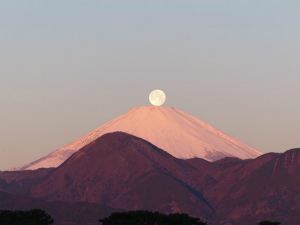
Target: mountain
pixel 123 171
pixel 271 191
pixel 172 130
pixel 20 182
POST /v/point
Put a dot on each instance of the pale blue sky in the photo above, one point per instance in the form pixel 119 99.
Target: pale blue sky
pixel 67 67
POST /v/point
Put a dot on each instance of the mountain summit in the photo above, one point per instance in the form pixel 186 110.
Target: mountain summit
pixel 123 171
pixel 172 130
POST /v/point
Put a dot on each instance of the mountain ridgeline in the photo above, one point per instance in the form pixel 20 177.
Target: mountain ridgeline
pixel 122 172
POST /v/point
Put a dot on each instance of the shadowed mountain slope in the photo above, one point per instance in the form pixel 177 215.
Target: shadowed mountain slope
pixel 127 172
pixel 123 171
pixel 267 188
pixel 21 181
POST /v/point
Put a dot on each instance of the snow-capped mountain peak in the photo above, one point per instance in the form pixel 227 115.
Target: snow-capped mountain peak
pixel 172 130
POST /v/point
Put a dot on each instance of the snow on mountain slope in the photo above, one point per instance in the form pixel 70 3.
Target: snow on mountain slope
pixel 172 130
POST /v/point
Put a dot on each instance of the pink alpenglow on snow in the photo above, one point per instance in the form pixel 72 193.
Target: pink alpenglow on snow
pixel 172 130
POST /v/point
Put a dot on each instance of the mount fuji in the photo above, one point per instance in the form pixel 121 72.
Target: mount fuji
pixel 172 130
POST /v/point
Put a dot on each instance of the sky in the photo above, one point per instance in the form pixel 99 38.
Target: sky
pixel 68 67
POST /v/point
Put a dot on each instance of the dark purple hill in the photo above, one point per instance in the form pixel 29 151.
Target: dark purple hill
pixel 122 171
pixel 127 172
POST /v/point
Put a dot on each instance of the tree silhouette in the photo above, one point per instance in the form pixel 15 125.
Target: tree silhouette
pixel 143 217
pixel 31 217
pixel 269 223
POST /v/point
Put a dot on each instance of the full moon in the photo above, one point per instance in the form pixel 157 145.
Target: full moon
pixel 157 97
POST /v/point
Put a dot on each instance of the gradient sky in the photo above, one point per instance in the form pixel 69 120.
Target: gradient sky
pixel 67 67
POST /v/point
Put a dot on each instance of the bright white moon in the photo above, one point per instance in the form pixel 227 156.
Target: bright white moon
pixel 157 97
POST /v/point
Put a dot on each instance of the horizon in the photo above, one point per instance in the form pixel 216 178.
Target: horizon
pixel 67 69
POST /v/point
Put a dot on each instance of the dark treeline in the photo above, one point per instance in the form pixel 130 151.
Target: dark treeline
pixel 31 217
pixel 143 217
pixel 269 223
pixel 140 217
